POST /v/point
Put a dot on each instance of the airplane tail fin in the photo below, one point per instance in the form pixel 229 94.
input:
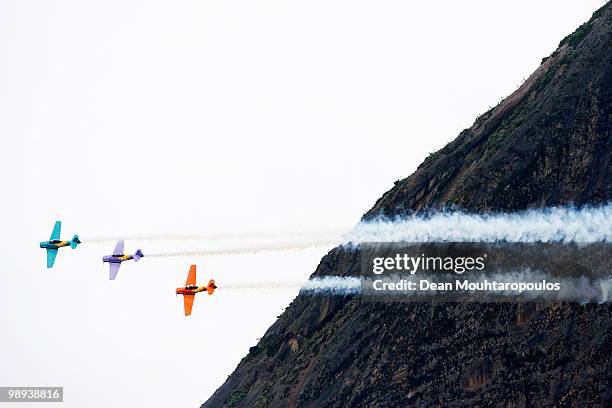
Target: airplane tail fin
pixel 137 255
pixel 75 241
pixel 211 287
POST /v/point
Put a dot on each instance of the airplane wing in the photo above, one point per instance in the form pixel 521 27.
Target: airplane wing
pixel 191 278
pixel 113 270
pixel 51 254
pixel 118 248
pixel 57 228
pixel 188 299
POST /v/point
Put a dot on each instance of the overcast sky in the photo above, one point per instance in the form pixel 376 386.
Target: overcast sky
pixel 131 118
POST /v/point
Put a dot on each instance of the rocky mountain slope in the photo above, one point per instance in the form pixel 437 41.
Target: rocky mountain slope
pixel 546 144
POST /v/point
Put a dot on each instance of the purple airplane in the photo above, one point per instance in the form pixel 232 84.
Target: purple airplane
pixel 117 257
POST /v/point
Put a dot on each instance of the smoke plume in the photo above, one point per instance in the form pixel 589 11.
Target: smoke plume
pixel 576 289
pixel 324 285
pixel 556 224
pixel 254 247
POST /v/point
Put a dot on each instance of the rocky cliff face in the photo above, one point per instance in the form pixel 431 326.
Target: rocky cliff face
pixel 546 144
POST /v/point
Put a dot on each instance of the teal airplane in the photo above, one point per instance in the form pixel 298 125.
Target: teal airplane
pixel 55 243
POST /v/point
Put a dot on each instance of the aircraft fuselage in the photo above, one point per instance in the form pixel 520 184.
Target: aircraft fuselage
pixel 55 244
pixel 117 258
pixel 190 290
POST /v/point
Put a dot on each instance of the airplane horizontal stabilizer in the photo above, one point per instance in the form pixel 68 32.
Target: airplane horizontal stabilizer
pixel 75 241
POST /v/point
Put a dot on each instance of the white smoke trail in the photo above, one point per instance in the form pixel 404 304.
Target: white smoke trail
pixel 556 224
pixel 281 236
pixel 344 285
pixel 577 289
pixel 260 286
pixel 337 285
pixel 243 248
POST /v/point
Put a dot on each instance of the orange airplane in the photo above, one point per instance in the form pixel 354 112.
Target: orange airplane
pixel 190 289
